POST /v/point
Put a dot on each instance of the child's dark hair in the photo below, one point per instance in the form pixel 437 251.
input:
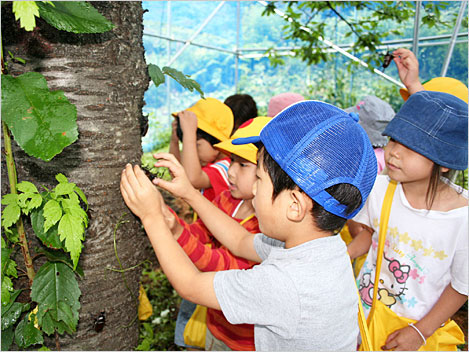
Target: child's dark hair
pixel 243 107
pixel 434 183
pixel 345 193
pixel 200 134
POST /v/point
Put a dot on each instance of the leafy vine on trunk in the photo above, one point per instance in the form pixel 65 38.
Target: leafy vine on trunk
pixel 43 123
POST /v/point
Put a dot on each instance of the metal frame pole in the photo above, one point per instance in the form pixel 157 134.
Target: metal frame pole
pixel 168 82
pixel 196 33
pixel 238 22
pixel 452 42
pixel 415 43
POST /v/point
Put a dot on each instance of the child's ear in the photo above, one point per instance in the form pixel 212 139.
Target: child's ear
pixel 299 206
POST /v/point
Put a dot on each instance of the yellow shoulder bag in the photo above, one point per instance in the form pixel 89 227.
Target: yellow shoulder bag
pixel 382 321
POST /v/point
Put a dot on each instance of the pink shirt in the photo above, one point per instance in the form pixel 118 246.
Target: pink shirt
pixel 379 152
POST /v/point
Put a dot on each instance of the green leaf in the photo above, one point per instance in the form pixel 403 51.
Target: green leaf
pixel 29 201
pixel 64 188
pixel 82 196
pixel 36 201
pixel 72 206
pixel 7 338
pixel 49 325
pixel 156 75
pixel 49 238
pixel 42 122
pixel 59 256
pixel 144 346
pixel 74 16
pixel 26 12
pixel 26 333
pixel 8 265
pixel 44 348
pixel 71 230
pixel 10 215
pixel 56 291
pixel 10 198
pixel 6 305
pixel 7 287
pixel 61 178
pixel 26 187
pixel 183 80
pixel 13 57
pixel 52 213
pixel 11 316
pixel 12 234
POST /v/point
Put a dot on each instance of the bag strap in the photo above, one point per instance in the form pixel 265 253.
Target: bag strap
pixel 383 227
pixel 366 345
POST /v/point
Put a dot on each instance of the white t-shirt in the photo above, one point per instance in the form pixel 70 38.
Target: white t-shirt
pixel 424 251
pixel 301 298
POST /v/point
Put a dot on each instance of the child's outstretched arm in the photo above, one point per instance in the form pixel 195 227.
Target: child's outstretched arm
pixel 408 68
pixel 144 200
pixel 189 157
pixel 225 229
pixel 361 241
pixel 408 339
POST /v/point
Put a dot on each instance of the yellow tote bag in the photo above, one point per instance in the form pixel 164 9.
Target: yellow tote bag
pixel 382 321
pixel 196 328
pixel 385 321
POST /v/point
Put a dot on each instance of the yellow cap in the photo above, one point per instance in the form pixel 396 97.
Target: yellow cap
pixel 213 117
pixel 251 127
pixel 442 84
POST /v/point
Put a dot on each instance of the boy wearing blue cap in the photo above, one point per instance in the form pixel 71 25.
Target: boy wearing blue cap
pixel 315 169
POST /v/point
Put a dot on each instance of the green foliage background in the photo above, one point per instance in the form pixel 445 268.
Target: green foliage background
pixel 332 81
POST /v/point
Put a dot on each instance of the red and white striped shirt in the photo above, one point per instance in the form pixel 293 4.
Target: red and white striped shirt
pixel 218 174
pixel 209 255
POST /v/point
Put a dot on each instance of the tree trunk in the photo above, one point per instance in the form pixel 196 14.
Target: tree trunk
pixel 105 76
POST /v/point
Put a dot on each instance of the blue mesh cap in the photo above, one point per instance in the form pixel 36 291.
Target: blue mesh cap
pixel 433 124
pixel 319 145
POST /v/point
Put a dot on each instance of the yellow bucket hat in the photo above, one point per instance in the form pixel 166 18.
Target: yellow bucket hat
pixel 250 128
pixel 213 117
pixel 442 84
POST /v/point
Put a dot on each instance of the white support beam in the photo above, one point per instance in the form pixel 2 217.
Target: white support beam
pixel 449 53
pixel 196 33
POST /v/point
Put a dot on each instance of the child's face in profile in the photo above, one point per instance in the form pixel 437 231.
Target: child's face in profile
pixel 406 165
pixel 268 212
pixel 207 154
pixel 241 176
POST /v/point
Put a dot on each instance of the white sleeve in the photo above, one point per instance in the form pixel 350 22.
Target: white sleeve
pixel 263 245
pixel 459 266
pixel 262 295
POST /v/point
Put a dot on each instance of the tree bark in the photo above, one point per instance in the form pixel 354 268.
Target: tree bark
pixel 105 76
